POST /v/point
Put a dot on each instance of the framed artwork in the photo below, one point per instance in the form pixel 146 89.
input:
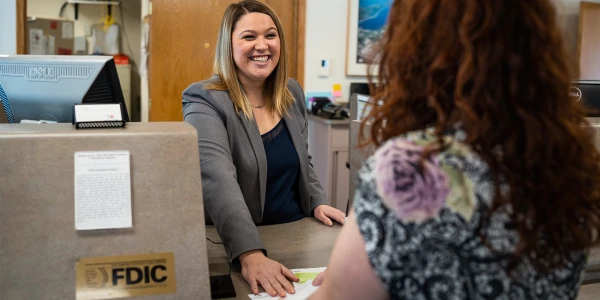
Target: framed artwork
pixel 366 23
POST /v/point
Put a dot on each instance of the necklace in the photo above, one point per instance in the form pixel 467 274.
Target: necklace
pixel 259 106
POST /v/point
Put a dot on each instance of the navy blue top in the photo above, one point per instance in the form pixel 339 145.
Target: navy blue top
pixel 282 203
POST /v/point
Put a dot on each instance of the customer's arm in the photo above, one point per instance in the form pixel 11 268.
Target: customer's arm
pixel 350 274
pixel 223 199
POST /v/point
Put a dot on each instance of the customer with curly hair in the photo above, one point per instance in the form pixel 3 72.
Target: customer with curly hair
pixel 485 181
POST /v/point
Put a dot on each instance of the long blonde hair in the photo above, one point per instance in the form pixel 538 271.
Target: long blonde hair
pixel 277 96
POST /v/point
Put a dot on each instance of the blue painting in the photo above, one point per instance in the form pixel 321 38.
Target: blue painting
pixel 372 20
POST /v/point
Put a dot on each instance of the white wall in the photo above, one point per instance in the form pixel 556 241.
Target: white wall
pixel 326 37
pixel 8 26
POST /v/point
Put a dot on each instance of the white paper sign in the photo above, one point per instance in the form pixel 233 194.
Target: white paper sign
pixel 36 42
pixel 102 190
pixel 67 30
pixel 98 112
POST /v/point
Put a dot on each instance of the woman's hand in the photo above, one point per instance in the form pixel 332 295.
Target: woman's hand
pixel 325 213
pixel 271 275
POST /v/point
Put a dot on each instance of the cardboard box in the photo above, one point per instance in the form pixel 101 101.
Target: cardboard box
pixel 50 36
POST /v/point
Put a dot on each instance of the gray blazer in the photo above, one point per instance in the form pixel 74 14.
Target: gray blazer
pixel 233 164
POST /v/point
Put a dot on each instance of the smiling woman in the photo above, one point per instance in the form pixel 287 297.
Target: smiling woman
pixel 249 33
pixel 252 136
pixel 256 47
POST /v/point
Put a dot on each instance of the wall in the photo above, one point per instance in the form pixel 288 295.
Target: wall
pixel 568 20
pixel 8 25
pixel 91 14
pixel 326 27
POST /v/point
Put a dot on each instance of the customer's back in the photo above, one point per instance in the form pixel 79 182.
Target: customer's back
pixel 428 232
pixel 484 185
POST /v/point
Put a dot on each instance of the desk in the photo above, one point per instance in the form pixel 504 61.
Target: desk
pixel 592 270
pixel 39 245
pixel 306 243
pixel 589 292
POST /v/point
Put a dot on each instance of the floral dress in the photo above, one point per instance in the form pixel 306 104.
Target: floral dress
pixel 420 222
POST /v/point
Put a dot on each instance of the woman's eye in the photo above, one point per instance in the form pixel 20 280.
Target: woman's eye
pixel 272 35
pixel 248 37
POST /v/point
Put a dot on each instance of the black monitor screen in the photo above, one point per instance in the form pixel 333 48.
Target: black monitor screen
pixel 587 91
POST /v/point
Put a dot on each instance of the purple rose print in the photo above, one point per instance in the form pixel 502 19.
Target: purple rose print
pixel 413 192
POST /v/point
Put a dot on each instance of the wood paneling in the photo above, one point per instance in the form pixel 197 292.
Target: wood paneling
pixel 292 14
pixel 183 36
pixel 287 14
pixel 180 31
pixel 589 41
pixel 3 116
pixel 21 25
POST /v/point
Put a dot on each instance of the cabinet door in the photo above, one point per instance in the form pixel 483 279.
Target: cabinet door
pixel 589 43
pixel 341 180
pixel 322 156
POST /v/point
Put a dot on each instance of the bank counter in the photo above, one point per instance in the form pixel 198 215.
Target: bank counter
pixel 41 251
pixel 43 256
pixel 306 243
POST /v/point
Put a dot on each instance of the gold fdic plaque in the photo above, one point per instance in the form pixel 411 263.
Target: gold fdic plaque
pixel 125 276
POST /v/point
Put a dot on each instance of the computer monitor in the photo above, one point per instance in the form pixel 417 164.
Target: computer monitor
pixel 45 87
pixel 357 104
pixel 359 88
pixel 587 91
pixel 360 106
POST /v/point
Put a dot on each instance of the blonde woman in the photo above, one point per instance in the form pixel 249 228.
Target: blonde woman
pixel 252 136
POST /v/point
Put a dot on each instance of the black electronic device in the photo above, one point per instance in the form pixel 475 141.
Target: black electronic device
pixel 587 91
pixel 359 88
pixel 332 111
pixel 221 286
pixel 317 103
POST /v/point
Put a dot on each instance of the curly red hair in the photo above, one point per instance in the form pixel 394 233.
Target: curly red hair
pixel 500 69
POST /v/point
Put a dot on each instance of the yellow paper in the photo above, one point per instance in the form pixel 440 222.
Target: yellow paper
pixel 337 90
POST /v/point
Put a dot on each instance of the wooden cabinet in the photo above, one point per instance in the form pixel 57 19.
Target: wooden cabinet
pixel 589 40
pixel 341 179
pixel 124 73
pixel 328 145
